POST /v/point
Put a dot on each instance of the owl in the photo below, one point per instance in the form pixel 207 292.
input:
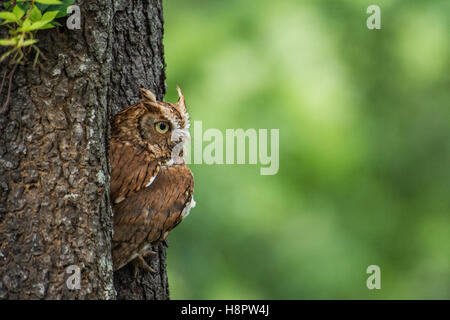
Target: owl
pixel 151 186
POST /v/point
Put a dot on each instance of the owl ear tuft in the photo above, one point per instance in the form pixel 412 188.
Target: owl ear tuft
pixel 181 101
pixel 147 95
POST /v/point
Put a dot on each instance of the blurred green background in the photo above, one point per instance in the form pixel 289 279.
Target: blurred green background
pixel 364 119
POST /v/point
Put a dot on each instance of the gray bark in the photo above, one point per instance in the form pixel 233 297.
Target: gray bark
pixel 54 168
pixel 138 62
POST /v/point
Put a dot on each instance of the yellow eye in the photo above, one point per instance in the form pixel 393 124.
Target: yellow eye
pixel 162 127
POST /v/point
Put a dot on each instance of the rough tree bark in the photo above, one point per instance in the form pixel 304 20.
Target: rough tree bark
pixel 54 169
pixel 138 62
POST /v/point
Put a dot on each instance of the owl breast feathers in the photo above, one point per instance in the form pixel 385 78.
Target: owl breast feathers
pixel 151 186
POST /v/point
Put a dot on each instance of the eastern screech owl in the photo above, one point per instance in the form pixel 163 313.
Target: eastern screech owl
pixel 151 186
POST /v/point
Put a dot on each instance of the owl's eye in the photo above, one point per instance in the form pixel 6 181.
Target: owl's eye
pixel 162 127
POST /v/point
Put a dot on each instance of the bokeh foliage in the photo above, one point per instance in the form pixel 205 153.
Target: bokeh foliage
pixel 364 119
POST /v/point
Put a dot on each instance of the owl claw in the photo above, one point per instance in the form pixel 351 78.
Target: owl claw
pixel 139 262
pixel 149 254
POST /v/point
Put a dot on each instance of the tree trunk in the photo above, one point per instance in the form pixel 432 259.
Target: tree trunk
pixel 138 62
pixel 54 168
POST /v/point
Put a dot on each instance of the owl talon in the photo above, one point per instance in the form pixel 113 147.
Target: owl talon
pixel 149 254
pixel 139 262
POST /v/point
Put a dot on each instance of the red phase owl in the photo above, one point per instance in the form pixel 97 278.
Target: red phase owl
pixel 151 186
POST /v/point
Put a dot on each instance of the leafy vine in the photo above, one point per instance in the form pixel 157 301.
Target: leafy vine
pixel 24 18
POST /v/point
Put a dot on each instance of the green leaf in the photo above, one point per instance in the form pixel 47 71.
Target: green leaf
pixel 62 8
pixel 24 5
pixel 42 7
pixel 7 4
pixel 26 25
pixel 44 23
pixel 47 26
pixel 34 26
pixel 8 42
pixel 40 24
pixel 8 16
pixel 35 14
pixel 28 42
pixel 48 1
pixel 49 16
pixel 18 12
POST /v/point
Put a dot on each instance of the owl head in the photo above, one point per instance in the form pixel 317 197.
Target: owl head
pixel 157 126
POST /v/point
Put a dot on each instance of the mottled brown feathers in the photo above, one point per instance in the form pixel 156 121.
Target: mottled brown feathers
pixel 149 196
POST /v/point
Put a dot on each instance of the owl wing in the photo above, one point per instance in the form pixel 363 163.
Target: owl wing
pixel 146 216
pixel 132 169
